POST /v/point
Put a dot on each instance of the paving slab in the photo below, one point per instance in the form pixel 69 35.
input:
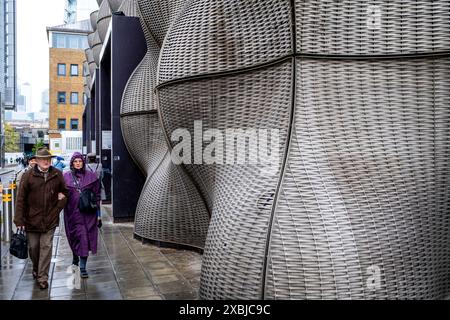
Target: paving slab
pixel 123 268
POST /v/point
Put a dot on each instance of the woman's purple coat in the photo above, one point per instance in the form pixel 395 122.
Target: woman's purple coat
pixel 81 229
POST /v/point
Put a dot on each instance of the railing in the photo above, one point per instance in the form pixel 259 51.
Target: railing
pixel 9 193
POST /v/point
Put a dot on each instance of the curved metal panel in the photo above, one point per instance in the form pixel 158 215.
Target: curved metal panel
pixel 169 209
pixel 114 4
pixel 237 192
pixel 365 191
pixel 129 8
pixel 104 17
pixel 96 47
pixel 362 27
pixel 158 15
pixel 90 60
pixel 143 133
pixel 227 36
pixel 360 188
pixel 93 19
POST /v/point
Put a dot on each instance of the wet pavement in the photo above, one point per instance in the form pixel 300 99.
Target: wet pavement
pixel 123 268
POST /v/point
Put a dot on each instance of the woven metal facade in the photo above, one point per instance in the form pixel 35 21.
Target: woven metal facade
pixel 170 208
pixel 360 95
pixel 103 19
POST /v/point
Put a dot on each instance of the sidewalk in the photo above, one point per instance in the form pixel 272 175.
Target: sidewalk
pixel 123 268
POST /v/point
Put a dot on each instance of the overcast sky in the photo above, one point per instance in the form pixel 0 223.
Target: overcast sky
pixel 33 16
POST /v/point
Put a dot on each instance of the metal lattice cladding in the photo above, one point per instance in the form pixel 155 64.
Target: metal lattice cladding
pixel 114 4
pixel 96 47
pixel 103 19
pixel 365 189
pixel 129 8
pixel 235 248
pixel 93 19
pixel 360 93
pixel 355 27
pixel 170 209
pixel 90 60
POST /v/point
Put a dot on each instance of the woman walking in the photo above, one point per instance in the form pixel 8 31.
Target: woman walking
pixel 81 227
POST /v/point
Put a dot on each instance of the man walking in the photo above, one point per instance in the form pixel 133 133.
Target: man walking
pixel 31 164
pixel 41 197
pixel 97 168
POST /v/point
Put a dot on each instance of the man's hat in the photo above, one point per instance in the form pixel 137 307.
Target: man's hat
pixel 43 153
pixel 91 155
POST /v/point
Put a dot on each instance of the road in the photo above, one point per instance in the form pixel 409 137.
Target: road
pixel 8 173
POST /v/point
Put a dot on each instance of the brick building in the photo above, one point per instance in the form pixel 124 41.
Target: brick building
pixel 66 90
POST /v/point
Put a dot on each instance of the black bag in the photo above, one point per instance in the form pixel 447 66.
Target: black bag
pixel 88 200
pixel 19 245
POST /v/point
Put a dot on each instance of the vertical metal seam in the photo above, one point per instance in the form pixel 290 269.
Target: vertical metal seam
pixel 287 151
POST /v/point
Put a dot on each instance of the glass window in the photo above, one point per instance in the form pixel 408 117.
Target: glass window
pixel 59 40
pixel 74 98
pixel 61 69
pixel 61 97
pixel 61 124
pixel 84 42
pixel 74 70
pixel 73 42
pixel 74 124
pixel 70 41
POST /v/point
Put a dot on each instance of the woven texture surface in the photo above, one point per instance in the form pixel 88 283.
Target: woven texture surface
pixel 90 59
pixel 91 37
pixel 366 184
pixel 170 208
pixel 86 79
pixel 114 4
pixel 362 186
pixel 141 134
pixel 236 193
pixel 158 15
pixel 362 27
pixel 93 19
pixel 228 35
pixel 129 8
pixel 103 19
pixel 138 91
pixel 96 47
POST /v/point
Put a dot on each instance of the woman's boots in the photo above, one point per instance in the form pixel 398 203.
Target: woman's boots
pixel 83 272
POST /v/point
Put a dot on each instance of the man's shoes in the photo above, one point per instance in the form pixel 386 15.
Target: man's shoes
pixel 43 285
pixel 34 273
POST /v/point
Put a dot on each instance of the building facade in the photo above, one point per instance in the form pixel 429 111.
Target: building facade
pixel 7 63
pixel 66 88
pixel 30 132
pixel 355 203
pixel 77 10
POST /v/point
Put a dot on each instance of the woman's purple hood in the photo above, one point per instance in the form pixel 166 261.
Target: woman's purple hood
pixel 77 155
pixel 85 177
